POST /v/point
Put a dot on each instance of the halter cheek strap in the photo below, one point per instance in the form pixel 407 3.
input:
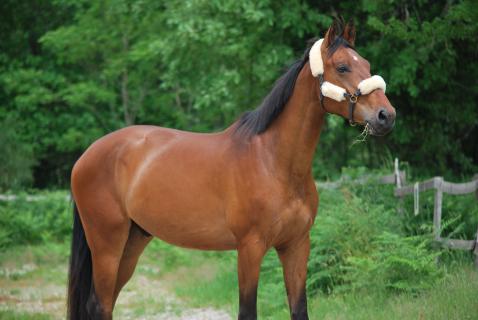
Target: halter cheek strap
pixel 335 92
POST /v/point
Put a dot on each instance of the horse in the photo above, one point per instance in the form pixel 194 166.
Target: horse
pixel 247 188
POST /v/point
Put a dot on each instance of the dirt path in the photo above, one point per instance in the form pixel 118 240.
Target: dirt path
pixel 148 299
pixel 31 288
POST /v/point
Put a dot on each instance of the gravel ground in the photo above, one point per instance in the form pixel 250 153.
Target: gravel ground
pixel 26 290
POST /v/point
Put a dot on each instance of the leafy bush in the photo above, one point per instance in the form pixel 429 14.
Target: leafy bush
pixel 45 217
pixel 397 263
pixel 357 243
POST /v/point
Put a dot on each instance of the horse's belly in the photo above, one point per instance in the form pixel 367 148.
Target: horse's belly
pixel 185 216
pixel 196 231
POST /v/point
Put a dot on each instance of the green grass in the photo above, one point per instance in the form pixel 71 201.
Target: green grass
pixel 32 281
pixel 46 262
pixel 452 298
pixel 13 315
pixel 202 279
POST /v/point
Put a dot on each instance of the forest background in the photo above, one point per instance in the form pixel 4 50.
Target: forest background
pixel 73 71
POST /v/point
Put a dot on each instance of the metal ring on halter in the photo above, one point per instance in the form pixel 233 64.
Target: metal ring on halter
pixel 352 100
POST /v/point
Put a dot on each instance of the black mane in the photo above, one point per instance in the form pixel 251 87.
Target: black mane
pixel 257 121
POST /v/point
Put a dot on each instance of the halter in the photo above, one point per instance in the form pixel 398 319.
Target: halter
pixel 335 92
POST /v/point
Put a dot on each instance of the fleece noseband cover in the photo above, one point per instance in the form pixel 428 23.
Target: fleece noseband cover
pixel 333 91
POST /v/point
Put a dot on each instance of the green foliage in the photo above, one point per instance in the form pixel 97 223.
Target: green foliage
pixel 344 228
pixel 16 160
pixel 72 71
pixel 358 242
pixel 452 298
pixel 12 315
pixel 46 217
pixel 397 263
pixel 427 45
pixel 459 215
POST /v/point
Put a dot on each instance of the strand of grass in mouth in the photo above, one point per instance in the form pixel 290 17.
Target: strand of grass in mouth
pixel 362 136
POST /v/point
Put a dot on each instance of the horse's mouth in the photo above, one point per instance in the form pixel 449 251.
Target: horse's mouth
pixel 377 130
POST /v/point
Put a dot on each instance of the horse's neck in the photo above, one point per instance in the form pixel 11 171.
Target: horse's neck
pixel 295 133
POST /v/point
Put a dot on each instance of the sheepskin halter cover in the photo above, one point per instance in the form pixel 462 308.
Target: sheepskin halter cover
pixel 335 92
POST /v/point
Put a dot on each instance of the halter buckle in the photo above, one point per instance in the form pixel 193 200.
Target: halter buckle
pixel 352 102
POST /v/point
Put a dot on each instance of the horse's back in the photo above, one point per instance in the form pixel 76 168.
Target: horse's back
pixel 129 147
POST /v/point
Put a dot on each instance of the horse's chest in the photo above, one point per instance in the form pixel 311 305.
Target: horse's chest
pixel 291 222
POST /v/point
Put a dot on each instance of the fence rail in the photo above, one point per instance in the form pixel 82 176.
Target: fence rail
pixel 399 179
pixel 441 186
pixel 458 244
pixel 28 198
pixel 387 179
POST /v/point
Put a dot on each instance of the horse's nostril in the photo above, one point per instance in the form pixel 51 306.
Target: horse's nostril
pixel 384 121
pixel 382 116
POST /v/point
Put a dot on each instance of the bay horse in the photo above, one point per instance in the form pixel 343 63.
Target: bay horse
pixel 248 188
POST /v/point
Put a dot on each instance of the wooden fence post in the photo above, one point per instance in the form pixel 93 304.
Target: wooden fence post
pixel 437 208
pixel 441 186
pixel 475 251
pixel 398 184
pixel 475 177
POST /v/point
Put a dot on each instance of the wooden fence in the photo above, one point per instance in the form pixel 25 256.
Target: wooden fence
pixel 398 178
pixel 441 186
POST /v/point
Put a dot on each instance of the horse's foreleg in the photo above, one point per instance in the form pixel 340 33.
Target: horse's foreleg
pixel 294 258
pixel 250 254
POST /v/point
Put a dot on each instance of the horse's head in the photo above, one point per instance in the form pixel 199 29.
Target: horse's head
pixel 346 86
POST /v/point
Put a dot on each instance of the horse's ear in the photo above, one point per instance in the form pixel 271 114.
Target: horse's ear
pixel 331 34
pixel 349 32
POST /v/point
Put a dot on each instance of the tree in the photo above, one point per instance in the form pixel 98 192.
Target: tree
pixel 72 71
pixel 16 160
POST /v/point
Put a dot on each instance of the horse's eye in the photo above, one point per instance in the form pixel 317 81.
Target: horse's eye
pixel 342 68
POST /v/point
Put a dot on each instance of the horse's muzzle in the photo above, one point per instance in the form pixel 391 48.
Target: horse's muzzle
pixel 383 122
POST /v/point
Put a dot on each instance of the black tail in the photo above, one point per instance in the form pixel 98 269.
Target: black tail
pixel 82 302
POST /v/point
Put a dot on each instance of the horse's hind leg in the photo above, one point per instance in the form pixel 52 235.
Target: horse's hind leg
pixel 138 240
pixel 107 231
